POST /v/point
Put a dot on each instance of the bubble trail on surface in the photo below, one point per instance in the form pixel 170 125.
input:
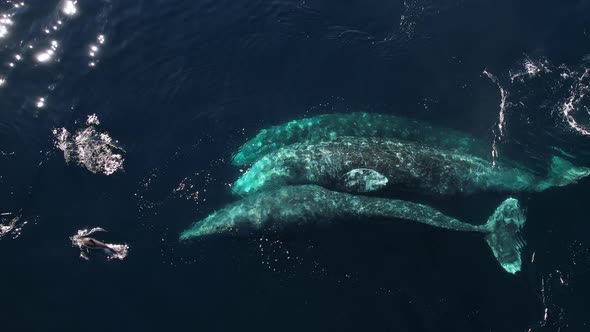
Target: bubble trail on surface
pixel 501 116
pixel 578 91
pixel 566 91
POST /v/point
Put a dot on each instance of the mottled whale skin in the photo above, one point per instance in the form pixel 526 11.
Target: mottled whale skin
pixel 310 204
pixel 328 127
pixel 405 166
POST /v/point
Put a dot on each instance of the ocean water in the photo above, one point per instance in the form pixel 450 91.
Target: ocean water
pixel 124 115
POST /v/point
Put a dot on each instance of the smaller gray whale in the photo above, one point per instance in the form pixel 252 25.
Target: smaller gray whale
pixel 360 165
pixel 309 204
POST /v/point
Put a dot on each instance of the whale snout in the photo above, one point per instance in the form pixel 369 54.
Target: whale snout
pixel 245 185
pixel 261 177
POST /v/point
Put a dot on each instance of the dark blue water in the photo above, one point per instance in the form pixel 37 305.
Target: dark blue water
pixel 181 84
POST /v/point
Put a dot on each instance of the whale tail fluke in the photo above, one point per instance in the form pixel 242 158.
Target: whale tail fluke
pixel 561 173
pixel 504 234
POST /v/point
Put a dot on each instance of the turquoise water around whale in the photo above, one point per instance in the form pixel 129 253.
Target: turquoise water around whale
pixel 125 115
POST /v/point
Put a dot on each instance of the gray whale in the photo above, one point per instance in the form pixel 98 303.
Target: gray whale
pixel 360 165
pixel 309 204
pixel 327 127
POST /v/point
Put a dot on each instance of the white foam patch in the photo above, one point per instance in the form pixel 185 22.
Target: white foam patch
pixel 90 148
pixel 7 227
pixel 113 251
pixel 578 91
pixel 92 120
pixel 530 69
pixel 11 225
pixel 572 108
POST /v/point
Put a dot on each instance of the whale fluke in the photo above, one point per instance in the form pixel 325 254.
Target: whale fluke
pixel 504 237
pixel 562 173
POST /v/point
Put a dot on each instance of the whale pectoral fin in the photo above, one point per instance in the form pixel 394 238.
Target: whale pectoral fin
pixel 364 180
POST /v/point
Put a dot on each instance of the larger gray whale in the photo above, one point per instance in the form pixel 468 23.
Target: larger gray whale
pixel 309 204
pixel 360 165
pixel 328 127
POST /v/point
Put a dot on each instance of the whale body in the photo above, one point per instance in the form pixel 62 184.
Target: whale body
pixel 328 127
pixel 310 204
pixel 359 165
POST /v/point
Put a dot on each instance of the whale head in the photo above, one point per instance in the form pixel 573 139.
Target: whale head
pixel 271 171
pixel 238 218
pixel 220 222
pixel 253 149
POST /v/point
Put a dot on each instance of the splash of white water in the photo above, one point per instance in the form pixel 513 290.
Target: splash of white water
pixel 115 251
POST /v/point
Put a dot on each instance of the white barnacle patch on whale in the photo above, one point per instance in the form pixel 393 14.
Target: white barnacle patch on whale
pixel 364 180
